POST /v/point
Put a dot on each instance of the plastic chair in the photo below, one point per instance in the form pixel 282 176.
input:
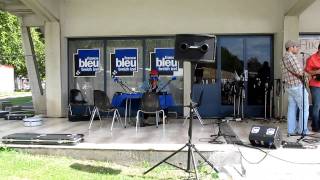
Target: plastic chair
pixel 102 103
pixel 150 104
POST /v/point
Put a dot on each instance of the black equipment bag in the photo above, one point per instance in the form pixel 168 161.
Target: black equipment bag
pixel 17 116
pixel 75 118
pixel 43 139
pixel 79 113
pixel 3 113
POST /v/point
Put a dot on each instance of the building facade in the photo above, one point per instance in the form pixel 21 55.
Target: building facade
pixel 250 37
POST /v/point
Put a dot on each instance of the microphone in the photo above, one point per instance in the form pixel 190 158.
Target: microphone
pixel 114 73
pixel 304 53
pixel 115 79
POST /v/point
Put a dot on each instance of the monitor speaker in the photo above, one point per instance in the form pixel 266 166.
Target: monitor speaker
pixel 195 47
pixel 265 136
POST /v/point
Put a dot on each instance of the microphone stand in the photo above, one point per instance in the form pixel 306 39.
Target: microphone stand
pixel 123 85
pixel 303 134
pixel 164 86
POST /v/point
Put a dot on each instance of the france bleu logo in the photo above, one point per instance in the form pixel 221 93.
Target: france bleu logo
pixel 124 61
pixel 86 62
pixel 163 60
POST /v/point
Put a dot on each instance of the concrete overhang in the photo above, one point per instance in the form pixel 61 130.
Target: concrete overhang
pixel 24 8
pixel 298 7
pixel 15 7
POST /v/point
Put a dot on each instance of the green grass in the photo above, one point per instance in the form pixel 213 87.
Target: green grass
pixel 18 165
pixel 20 100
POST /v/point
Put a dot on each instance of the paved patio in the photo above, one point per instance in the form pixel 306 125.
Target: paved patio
pixel 153 144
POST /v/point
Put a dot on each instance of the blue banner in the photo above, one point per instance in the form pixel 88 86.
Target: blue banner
pixel 86 62
pixel 163 60
pixel 124 62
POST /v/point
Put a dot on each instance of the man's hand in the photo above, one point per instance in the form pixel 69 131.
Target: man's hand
pixel 314 72
pixel 317 71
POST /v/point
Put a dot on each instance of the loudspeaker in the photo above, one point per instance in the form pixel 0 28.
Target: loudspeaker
pixel 265 136
pixel 195 47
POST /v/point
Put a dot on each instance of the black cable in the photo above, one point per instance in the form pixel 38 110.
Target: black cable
pixel 311 141
pixel 268 154
pixel 250 162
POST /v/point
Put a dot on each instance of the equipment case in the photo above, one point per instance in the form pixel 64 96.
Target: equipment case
pixel 43 139
pixel 17 116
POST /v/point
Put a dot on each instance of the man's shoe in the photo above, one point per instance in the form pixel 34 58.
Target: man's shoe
pixel 308 133
pixel 292 134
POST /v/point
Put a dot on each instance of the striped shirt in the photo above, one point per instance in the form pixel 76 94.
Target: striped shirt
pixel 290 65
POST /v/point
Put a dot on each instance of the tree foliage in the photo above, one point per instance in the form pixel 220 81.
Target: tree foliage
pixel 11 51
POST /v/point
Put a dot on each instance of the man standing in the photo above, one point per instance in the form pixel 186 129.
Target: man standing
pixel 293 75
pixel 313 68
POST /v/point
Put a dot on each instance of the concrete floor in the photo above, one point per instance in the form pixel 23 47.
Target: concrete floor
pixel 153 144
pixel 174 133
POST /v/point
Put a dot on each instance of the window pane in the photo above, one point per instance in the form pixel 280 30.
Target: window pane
pixel 176 86
pixel 131 82
pixel 86 84
pixel 232 57
pixel 258 52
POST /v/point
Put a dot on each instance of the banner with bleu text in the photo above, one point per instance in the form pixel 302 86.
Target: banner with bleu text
pixel 124 62
pixel 162 59
pixel 86 62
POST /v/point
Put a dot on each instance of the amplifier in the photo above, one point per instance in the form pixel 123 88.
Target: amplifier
pixel 265 136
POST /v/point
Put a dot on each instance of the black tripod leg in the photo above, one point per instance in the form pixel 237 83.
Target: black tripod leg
pixel 204 158
pixel 194 164
pixel 164 160
pixel 189 159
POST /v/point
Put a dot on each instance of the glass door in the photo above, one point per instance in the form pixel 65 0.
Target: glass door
pixel 245 57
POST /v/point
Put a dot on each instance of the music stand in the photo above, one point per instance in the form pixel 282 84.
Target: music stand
pixel 191 48
pixel 219 134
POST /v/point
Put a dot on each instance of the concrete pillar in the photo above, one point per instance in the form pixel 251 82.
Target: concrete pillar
pixel 38 95
pixel 278 54
pixel 53 71
pixel 186 86
pixel 291 28
pixel 290 32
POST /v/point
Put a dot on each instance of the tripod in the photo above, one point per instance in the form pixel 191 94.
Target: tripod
pixel 219 134
pixel 191 147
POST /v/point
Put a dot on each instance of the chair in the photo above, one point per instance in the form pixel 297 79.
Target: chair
pixel 77 99
pixel 102 103
pixel 150 104
pixel 195 106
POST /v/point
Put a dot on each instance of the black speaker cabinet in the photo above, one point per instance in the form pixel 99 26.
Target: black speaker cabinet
pixel 265 136
pixel 195 47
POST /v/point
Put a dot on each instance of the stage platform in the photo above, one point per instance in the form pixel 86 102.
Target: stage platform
pixel 151 144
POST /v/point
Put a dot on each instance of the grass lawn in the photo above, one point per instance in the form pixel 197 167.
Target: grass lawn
pixel 17 165
pixel 16 98
pixel 20 100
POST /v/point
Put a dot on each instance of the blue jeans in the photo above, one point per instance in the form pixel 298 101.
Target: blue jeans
pixel 315 92
pixel 294 103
